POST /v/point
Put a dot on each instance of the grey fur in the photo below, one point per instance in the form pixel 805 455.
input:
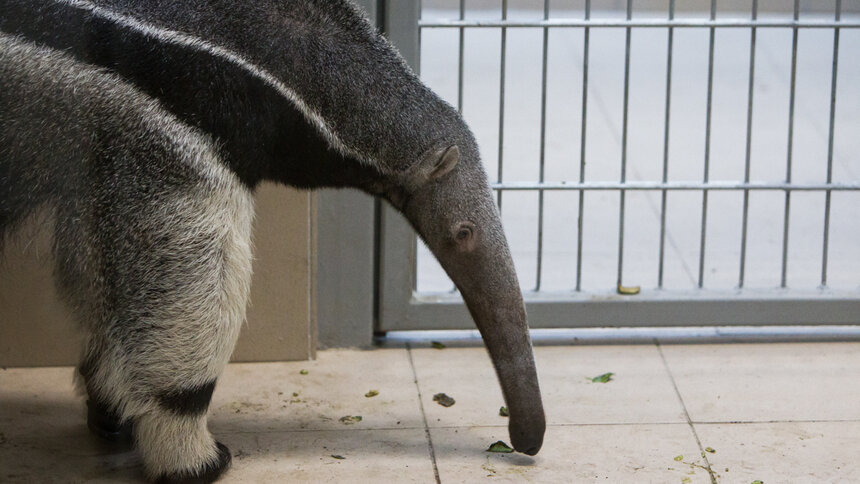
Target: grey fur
pixel 151 238
pixel 330 56
pixel 151 185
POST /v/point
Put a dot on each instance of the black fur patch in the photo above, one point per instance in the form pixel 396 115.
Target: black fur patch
pixel 210 473
pixel 102 420
pixel 191 401
pixel 106 424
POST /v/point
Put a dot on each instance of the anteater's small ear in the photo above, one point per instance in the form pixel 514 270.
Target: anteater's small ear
pixel 446 162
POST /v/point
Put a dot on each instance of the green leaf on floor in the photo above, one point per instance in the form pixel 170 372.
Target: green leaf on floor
pixel 679 458
pixel 757 481
pixel 303 372
pixel 503 411
pixel 443 400
pixel 604 378
pixel 371 393
pixel 438 345
pixel 338 456
pixel 500 447
pixel 350 419
pixel 711 450
pixel 686 480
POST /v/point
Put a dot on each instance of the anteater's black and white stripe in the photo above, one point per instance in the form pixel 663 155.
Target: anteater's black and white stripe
pixel 282 83
pixel 144 127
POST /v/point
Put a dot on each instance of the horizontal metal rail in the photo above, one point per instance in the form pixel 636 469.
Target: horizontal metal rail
pixel 635 335
pixel 648 23
pixel 655 294
pixel 651 307
pixel 678 185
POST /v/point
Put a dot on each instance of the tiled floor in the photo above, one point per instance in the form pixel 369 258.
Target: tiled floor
pixel 773 412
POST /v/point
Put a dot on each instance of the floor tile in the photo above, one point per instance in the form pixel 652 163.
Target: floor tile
pixel 368 456
pixel 784 452
pixel 260 396
pixel 43 434
pixel 766 382
pixel 69 455
pixel 640 391
pixel 572 453
pixel 44 437
pixel 43 397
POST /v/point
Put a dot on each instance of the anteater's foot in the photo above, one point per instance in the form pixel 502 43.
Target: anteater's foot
pixel 106 424
pixel 210 472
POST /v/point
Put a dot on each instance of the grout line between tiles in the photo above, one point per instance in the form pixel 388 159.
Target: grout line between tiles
pixel 686 413
pixel 607 424
pixel 423 416
pixel 298 431
pixel 446 427
pixel 765 422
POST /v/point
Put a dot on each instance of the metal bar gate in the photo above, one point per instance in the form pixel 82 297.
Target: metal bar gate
pixel 405 304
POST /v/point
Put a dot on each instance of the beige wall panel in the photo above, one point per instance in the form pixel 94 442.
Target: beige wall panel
pixel 37 330
pixel 281 318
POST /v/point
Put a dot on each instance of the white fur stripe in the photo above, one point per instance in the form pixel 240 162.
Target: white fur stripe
pixel 185 40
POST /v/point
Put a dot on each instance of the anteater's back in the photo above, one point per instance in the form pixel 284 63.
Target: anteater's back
pixel 67 129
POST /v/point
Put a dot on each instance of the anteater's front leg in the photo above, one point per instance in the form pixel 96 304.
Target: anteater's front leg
pixel 167 419
pixel 176 444
pixel 164 283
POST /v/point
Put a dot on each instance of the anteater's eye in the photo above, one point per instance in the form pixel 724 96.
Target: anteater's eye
pixel 464 235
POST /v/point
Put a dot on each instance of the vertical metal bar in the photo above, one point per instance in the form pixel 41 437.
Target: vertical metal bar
pixel 788 160
pixel 417 64
pixel 622 192
pixel 707 147
pixel 750 92
pixel 586 33
pixel 669 50
pixel 830 146
pixel 502 99
pixel 542 145
pixel 415 242
pixel 420 15
pixel 460 59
